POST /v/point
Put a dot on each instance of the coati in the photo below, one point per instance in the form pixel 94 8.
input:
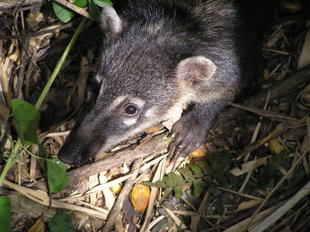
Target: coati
pixel 162 56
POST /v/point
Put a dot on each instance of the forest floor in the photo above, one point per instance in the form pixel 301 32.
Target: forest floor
pixel 252 174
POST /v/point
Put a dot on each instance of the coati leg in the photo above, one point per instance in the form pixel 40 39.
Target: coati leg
pixel 199 79
pixel 191 130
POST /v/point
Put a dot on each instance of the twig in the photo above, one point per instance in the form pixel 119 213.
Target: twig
pixel 265 113
pixel 196 218
pixel 296 80
pixel 146 226
pixel 49 29
pixel 5 4
pixel 156 145
pixel 253 139
pixel 280 129
pixel 59 64
pixel 120 200
pixel 279 184
pixel 23 65
pixel 75 8
pixel 283 209
pixel 12 158
pixel 43 198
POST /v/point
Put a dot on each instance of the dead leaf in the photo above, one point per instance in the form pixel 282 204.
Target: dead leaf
pixel 199 152
pixel 38 227
pixel 276 145
pixel 304 57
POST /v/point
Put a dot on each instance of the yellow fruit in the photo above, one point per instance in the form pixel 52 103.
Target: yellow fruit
pixel 116 188
pixel 139 197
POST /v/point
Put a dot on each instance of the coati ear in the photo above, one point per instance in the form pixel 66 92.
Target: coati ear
pixel 195 69
pixel 110 21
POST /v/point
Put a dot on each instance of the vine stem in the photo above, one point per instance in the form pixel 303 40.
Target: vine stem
pixel 59 64
pixel 13 156
pixel 11 160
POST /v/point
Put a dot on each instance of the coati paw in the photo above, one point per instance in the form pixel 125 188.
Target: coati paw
pixel 187 136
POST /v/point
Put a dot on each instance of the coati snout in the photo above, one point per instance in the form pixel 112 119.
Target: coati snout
pixel 160 57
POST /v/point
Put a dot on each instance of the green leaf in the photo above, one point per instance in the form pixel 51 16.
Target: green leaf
pixel 268 172
pixel 220 208
pixel 5 214
pixel 232 179
pixel 60 222
pixel 157 184
pixel 243 128
pixel 196 170
pixel 220 177
pixel 188 175
pixel 163 224
pixel 26 119
pixel 56 175
pixel 94 11
pixel 178 191
pixel 80 3
pixel 220 161
pixel 62 13
pixel 173 179
pixel 226 198
pixel 167 191
pixel 197 184
pixel 103 3
pixel 207 170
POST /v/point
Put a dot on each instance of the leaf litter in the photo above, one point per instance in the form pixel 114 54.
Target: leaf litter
pixel 252 173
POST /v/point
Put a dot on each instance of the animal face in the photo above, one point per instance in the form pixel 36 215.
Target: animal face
pixel 121 110
pixel 143 78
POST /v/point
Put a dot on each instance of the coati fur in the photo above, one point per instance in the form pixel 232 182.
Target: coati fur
pixel 162 56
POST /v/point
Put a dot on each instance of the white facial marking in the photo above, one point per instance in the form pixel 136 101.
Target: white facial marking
pixel 116 139
pixel 138 101
pixel 130 121
pixel 117 101
pixel 150 113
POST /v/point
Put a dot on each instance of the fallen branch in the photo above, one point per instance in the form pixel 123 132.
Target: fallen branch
pixel 283 209
pixel 281 88
pixel 265 113
pixel 278 185
pixel 5 4
pixel 117 207
pixel 156 145
pixel 280 129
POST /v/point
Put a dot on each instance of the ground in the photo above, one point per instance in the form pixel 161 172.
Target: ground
pixel 251 174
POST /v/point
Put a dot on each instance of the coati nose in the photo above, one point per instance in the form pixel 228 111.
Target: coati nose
pixel 69 155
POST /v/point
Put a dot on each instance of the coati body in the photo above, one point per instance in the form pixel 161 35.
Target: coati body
pixel 161 56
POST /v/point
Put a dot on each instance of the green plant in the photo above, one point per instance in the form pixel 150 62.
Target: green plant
pixel 5 214
pixel 191 177
pixel 26 118
pixel 65 14
pixel 60 222
pixel 190 183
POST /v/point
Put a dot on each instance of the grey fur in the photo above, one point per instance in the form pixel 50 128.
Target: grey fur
pixel 141 63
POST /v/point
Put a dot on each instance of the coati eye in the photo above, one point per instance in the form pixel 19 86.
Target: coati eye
pixel 131 110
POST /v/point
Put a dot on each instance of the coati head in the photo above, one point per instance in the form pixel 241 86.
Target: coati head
pixel 145 75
